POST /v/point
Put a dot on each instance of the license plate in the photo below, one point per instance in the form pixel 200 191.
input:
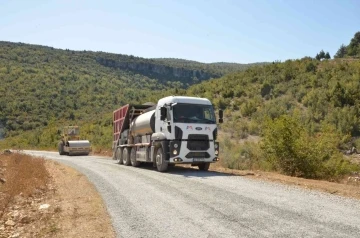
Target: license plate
pixel 199 159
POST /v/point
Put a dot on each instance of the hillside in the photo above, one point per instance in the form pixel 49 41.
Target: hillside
pixel 321 92
pixel 40 84
pixel 305 112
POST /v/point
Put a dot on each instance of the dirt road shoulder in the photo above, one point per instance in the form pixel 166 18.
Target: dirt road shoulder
pixel 68 206
pixel 82 211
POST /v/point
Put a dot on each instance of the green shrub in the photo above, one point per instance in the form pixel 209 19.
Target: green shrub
pixel 291 150
pixel 240 156
pixel 356 143
pixel 248 108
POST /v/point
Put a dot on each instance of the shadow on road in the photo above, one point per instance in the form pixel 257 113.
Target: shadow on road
pixel 187 171
pixel 193 172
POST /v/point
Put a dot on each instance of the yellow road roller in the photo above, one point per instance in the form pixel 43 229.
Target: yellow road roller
pixel 71 144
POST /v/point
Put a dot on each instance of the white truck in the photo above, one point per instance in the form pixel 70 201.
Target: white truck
pixel 176 130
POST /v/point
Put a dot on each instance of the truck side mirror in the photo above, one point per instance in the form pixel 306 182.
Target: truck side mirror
pixel 163 112
pixel 221 114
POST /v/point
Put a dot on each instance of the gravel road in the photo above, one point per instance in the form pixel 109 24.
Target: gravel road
pixel 190 203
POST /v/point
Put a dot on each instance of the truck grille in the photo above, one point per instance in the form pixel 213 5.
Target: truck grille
pixel 198 142
pixel 198 155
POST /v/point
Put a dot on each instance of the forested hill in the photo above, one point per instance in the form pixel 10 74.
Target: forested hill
pixel 320 92
pixel 40 83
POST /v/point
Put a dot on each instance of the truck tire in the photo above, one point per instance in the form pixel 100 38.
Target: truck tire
pixel 204 166
pixel 126 156
pixel 118 155
pixel 61 148
pixel 134 163
pixel 161 163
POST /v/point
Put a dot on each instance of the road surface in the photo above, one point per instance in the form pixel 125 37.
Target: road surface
pixel 190 203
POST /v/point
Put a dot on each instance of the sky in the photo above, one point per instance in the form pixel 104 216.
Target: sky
pixel 202 30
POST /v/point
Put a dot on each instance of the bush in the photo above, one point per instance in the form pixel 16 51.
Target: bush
pixel 248 108
pixel 356 143
pixel 240 156
pixel 291 150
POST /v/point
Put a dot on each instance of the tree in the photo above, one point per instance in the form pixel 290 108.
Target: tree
pixel 354 46
pixel 266 89
pixel 341 52
pixel 327 55
pixel 321 55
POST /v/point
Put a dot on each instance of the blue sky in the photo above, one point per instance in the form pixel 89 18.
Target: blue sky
pixel 206 31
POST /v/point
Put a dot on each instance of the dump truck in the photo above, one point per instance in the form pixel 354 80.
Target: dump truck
pixel 70 143
pixel 175 130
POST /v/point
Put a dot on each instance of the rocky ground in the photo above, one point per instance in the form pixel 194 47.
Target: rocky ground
pixel 67 206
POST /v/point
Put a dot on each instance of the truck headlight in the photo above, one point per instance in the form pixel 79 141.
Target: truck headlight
pixel 216 152
pixel 175 147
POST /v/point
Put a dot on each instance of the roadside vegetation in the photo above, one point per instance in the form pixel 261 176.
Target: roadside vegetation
pixel 304 114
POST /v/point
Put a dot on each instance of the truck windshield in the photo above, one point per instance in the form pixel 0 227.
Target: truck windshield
pixel 194 113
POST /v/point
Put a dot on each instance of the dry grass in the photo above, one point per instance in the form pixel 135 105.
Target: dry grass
pixel 28 183
pixel 79 212
pixel 21 174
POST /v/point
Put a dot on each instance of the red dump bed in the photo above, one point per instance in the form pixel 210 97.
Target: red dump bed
pixel 119 119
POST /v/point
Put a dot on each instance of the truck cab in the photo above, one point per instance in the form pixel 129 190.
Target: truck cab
pixel 188 126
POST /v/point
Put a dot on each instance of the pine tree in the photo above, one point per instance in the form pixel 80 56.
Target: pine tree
pixel 327 55
pixel 341 52
pixel 354 47
pixel 322 54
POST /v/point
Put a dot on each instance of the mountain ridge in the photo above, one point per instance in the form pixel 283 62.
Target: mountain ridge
pixel 41 82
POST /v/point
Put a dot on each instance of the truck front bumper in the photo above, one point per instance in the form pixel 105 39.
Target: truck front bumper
pixel 180 154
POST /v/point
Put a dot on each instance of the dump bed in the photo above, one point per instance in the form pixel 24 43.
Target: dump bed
pixel 122 117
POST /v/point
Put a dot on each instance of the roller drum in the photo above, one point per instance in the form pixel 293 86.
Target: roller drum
pixel 78 147
pixel 79 143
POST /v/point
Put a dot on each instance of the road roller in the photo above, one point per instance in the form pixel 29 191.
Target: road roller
pixel 71 144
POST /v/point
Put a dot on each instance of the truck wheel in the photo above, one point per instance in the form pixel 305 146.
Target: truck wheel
pixel 161 163
pixel 204 166
pixel 134 163
pixel 61 148
pixel 118 155
pixel 126 156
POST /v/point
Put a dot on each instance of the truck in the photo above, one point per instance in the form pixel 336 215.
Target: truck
pixel 70 143
pixel 175 130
